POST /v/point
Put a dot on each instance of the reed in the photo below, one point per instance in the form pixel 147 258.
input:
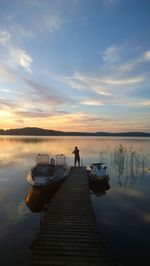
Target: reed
pixel 129 164
pixel 126 163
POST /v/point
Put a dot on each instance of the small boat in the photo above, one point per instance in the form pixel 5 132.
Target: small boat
pixel 97 172
pixel 48 171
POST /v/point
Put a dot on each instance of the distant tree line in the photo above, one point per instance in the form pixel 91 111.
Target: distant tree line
pixel 34 131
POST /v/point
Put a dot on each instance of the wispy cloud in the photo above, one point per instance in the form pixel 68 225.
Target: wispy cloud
pixel 18 57
pixel 39 113
pixel 6 74
pixel 15 112
pixel 123 81
pixel 93 102
pixel 101 90
pixel 35 3
pixel 103 85
pixel 86 82
pixel 4 37
pixel 46 18
pixel 49 23
pixel 144 103
pixel 116 60
pixel 5 103
pixel 14 56
pixel 32 113
pixel 83 121
pixel 107 90
pixel 146 55
pixel 112 53
pixel 118 83
pixel 135 62
pixel 47 95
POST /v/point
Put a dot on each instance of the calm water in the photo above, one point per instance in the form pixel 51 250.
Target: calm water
pixel 122 209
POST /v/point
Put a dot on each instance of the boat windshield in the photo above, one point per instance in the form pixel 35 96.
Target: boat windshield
pixel 60 159
pixel 42 159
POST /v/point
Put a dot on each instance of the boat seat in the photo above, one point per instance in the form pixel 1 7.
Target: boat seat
pixel 52 162
pixel 42 169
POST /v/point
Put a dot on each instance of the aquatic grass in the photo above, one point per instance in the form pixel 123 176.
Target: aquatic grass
pixel 129 164
pixel 126 163
pixel 106 156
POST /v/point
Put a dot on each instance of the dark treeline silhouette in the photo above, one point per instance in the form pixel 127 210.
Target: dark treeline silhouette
pixel 34 131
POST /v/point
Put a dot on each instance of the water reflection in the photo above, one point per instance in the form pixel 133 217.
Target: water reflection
pixel 37 198
pixel 129 165
pixel 98 189
pixel 123 214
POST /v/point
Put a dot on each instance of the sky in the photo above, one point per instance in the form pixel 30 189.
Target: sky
pixel 75 65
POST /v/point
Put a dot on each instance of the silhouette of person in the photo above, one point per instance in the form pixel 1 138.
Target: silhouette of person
pixel 77 156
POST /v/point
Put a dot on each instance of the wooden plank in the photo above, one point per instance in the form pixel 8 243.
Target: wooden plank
pixel 68 233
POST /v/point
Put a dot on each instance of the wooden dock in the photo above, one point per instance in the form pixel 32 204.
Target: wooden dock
pixel 69 235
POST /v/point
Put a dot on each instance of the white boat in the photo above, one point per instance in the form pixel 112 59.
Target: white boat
pixel 48 171
pixel 97 172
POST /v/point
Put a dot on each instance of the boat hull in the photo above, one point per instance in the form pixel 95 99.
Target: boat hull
pixel 38 197
pixel 96 178
pixel 97 172
pixel 47 180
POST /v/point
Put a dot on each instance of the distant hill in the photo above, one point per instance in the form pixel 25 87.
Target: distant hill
pixel 34 131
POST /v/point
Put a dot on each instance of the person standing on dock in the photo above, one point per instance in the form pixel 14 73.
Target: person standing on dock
pixel 77 156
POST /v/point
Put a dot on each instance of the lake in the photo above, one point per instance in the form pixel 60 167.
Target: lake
pixel 122 210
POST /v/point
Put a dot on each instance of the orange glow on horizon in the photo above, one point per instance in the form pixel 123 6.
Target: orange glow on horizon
pixel 77 122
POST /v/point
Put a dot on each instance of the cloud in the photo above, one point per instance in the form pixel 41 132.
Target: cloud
pixel 76 84
pixel 112 53
pixel 22 32
pixel 85 119
pixel 26 110
pixel 94 102
pixel 108 90
pixel 125 81
pixel 37 101
pixel 115 59
pixel 47 95
pixel 101 90
pixel 144 103
pixel 101 84
pixel 14 57
pixel 49 23
pixel 31 113
pixel 113 85
pixel 53 119
pixel 4 37
pixel 38 17
pixel 6 74
pixel 39 113
pixel 18 57
pixel 120 70
pixel 147 55
pixel 86 83
pixel 35 3
pixel 7 104
pixel 135 62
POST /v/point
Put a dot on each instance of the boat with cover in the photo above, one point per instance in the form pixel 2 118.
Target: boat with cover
pixel 97 172
pixel 48 171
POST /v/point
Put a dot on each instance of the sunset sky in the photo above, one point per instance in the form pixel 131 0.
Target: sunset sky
pixel 75 65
